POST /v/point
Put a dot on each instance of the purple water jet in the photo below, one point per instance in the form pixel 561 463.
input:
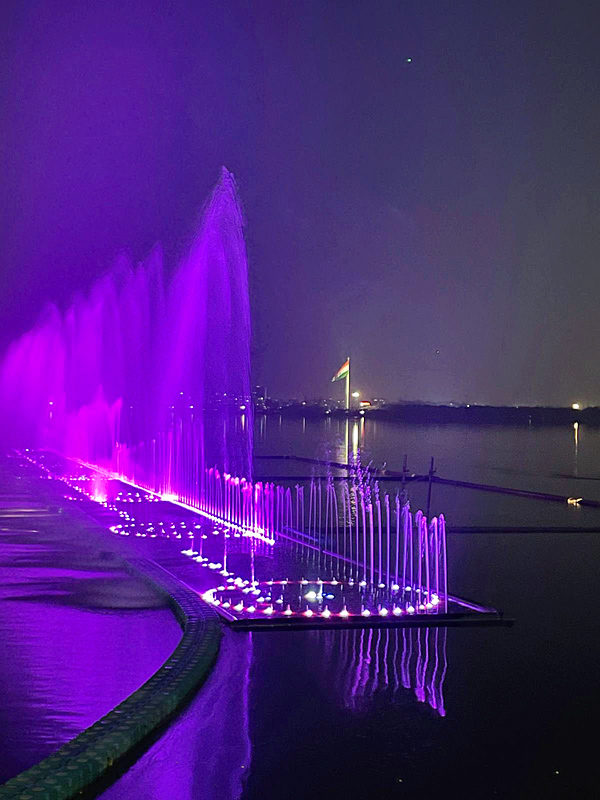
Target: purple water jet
pixel 146 377
pixel 147 381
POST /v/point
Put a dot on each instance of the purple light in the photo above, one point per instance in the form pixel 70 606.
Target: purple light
pixel 124 422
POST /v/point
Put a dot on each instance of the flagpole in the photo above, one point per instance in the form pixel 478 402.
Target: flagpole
pixel 348 386
pixel 348 409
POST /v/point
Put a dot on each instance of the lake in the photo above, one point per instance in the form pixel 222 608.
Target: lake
pixel 342 713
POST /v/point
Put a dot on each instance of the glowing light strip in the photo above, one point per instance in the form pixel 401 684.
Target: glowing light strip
pixel 210 595
pixel 255 533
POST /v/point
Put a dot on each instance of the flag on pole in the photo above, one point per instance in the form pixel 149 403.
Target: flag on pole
pixel 342 371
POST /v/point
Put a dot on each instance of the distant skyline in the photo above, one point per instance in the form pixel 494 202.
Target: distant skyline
pixel 420 180
pixel 374 397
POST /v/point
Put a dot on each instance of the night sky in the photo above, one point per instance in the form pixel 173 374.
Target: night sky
pixel 416 177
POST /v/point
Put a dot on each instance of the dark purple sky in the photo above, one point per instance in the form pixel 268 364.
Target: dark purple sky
pixel 393 209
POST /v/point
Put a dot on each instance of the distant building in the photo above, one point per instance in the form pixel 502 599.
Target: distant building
pixel 259 397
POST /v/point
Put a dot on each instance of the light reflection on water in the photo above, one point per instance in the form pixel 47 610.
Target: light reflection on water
pixel 359 664
pixel 555 460
pixel 464 452
pixel 296 714
pixel 78 636
pixel 207 753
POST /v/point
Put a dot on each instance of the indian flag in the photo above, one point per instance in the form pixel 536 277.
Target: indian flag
pixel 342 371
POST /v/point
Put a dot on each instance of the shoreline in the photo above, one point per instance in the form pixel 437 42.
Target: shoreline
pixel 421 414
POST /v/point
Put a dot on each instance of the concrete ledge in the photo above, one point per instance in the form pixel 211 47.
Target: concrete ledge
pixel 87 757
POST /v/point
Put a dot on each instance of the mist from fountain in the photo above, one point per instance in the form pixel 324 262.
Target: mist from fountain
pixel 146 377
pixel 147 380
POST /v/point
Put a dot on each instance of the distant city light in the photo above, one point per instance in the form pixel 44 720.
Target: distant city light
pixel 355 394
pixel 575 406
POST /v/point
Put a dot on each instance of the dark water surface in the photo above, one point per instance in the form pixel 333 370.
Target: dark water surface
pixel 473 713
pixel 350 714
pixel 78 633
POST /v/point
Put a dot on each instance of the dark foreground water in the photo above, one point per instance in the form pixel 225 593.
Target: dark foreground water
pixel 343 714
pixel 350 714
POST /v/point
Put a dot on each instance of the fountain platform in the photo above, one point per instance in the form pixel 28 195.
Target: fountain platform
pixel 251 580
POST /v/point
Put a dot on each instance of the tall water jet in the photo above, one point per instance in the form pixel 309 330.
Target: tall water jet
pixel 146 381
pixel 146 377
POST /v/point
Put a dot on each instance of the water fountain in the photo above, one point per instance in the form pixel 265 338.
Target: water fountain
pixel 146 377
pixel 145 383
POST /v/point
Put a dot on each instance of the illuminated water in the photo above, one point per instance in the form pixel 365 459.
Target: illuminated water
pixel 345 712
pixel 563 461
pixel 78 633
pixel 148 375
pixel 327 713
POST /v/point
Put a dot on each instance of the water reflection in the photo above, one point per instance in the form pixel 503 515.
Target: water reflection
pixel 207 752
pixel 342 437
pixel 361 664
pixel 355 440
pixel 77 639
